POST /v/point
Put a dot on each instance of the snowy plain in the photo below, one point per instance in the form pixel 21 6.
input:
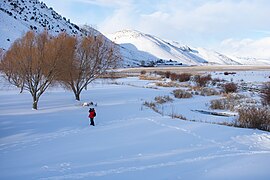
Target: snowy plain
pixel 129 141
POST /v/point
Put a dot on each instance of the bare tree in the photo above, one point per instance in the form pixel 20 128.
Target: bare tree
pixel 1 58
pixel 93 56
pixel 33 62
pixel 1 54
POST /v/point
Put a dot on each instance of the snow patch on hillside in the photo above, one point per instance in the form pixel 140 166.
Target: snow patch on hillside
pixel 10 30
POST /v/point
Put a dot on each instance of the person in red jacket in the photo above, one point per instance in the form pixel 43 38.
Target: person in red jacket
pixel 92 114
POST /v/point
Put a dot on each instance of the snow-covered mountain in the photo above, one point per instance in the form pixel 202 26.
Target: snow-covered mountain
pixel 252 61
pixel 19 16
pixel 138 47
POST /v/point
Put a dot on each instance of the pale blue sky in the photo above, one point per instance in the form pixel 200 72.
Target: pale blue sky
pixel 230 26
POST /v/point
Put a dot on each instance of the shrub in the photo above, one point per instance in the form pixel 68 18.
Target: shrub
pixel 217 81
pixel 167 74
pixel 184 77
pixel 161 73
pixel 265 94
pixel 218 104
pixel 230 87
pixel 178 116
pixel 234 96
pixel 143 72
pixel 113 75
pixel 179 93
pixel 202 80
pixel 209 92
pixel 180 77
pixel 253 117
pixel 167 84
pixel 163 99
pixel 231 101
pixel 174 76
pixel 151 105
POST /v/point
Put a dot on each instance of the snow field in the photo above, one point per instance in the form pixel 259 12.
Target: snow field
pixel 129 140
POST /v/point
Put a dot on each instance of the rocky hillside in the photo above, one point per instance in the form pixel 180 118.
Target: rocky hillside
pixel 20 16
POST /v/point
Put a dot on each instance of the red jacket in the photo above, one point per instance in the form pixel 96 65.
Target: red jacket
pixel 92 114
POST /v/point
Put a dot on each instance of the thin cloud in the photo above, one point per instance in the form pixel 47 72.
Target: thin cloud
pixel 121 19
pixel 247 47
pixel 264 32
pixel 108 3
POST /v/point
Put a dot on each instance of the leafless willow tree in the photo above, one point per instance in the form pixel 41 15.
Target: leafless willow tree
pixel 36 61
pixel 33 62
pixel 1 53
pixel 1 57
pixel 93 56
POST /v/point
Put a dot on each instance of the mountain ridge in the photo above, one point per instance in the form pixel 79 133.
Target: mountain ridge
pixel 160 49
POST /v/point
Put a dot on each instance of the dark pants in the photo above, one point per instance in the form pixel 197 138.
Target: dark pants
pixel 92 121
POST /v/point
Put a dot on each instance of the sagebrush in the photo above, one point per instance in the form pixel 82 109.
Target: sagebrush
pixel 254 117
pixel 230 87
pixel 163 99
pixel 180 93
pixel 265 94
pixel 202 80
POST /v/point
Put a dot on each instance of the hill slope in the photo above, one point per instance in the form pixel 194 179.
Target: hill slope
pixel 19 16
pixel 156 49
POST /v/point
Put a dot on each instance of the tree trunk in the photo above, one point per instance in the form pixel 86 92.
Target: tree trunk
pixel 77 96
pixel 35 102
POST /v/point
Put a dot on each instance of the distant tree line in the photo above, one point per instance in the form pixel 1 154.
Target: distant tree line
pixel 37 61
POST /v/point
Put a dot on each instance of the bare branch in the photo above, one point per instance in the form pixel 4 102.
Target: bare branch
pixel 92 57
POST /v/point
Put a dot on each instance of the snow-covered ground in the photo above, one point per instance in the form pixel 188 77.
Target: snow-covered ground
pixel 129 141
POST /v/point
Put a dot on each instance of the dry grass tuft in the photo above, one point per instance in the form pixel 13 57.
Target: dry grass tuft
pixel 151 78
pixel 167 84
pixel 230 87
pixel 209 92
pixel 163 99
pixel 254 117
pixel 265 94
pixel 180 93
pixel 202 80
